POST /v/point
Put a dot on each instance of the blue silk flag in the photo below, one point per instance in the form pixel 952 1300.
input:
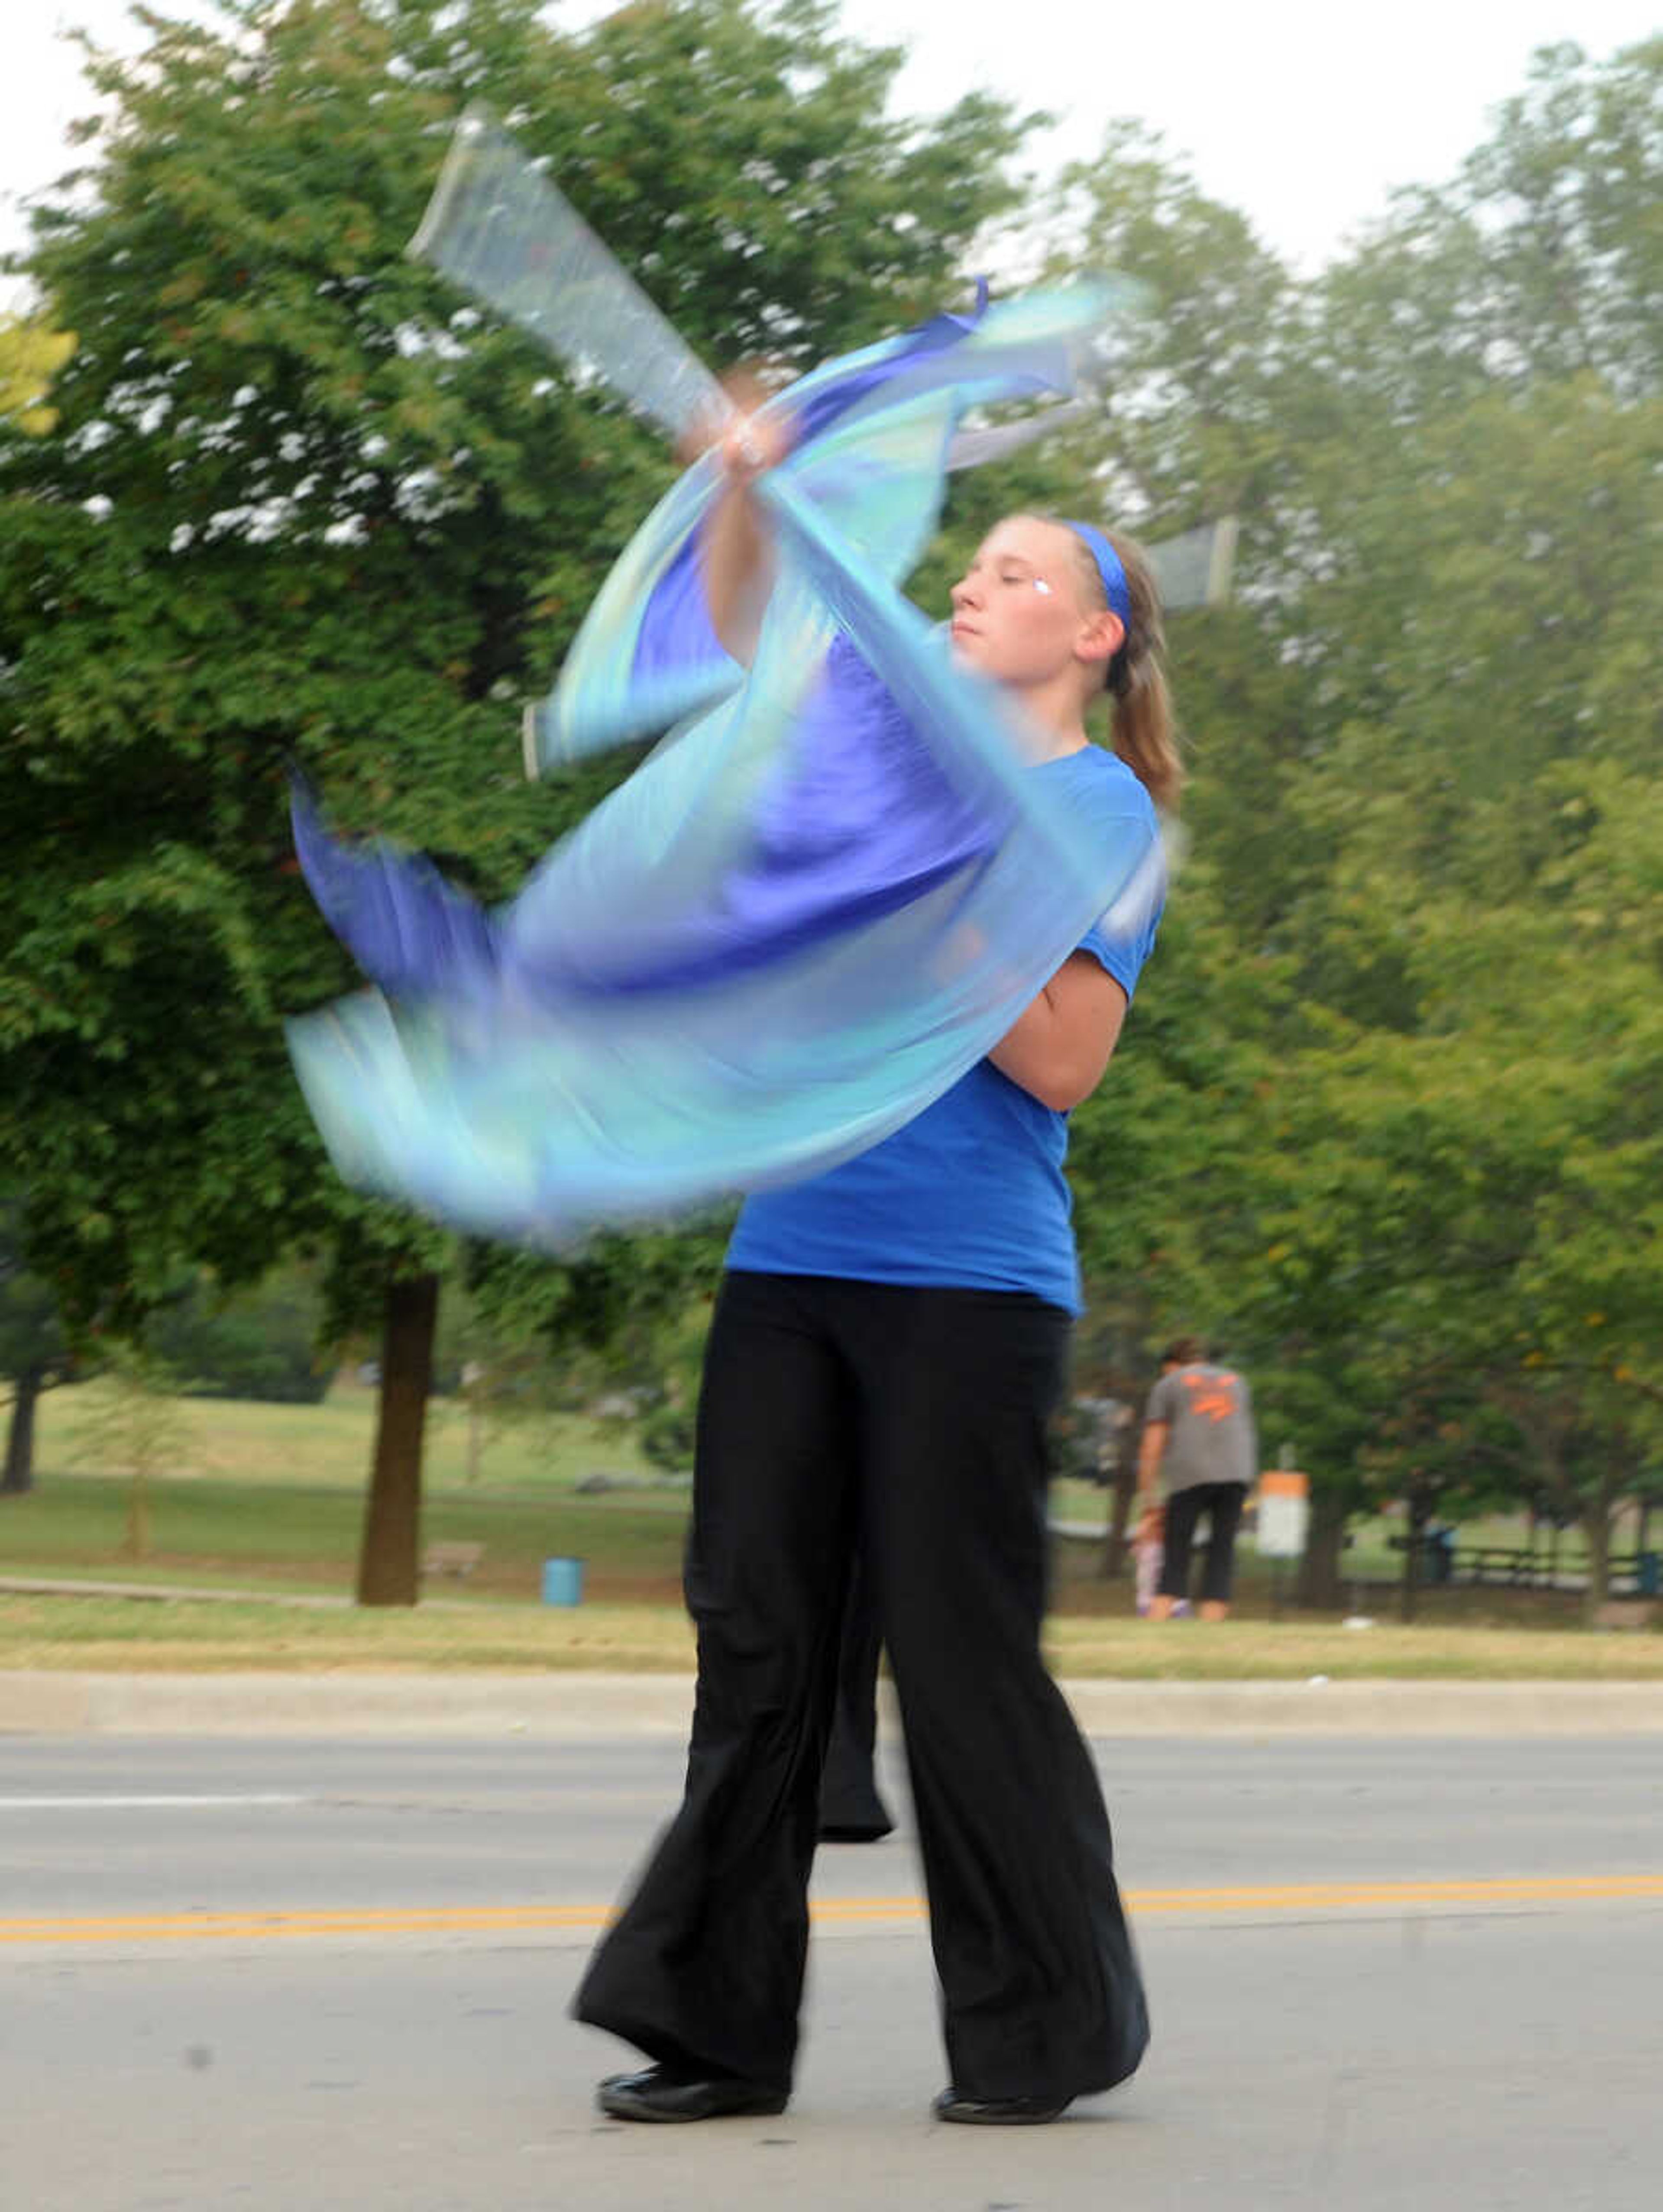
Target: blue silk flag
pixel 815 905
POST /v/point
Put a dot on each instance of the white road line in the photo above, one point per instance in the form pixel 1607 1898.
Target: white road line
pixel 146 1803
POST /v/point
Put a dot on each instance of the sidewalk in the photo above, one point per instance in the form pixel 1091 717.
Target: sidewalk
pixel 215 1593
pixel 573 1705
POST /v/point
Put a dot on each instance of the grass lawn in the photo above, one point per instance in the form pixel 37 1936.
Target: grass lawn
pixel 269 1498
pixel 118 1635
pixel 327 1446
pixel 305 1540
pixel 124 1635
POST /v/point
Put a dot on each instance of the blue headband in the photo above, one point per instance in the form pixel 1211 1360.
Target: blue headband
pixel 1109 568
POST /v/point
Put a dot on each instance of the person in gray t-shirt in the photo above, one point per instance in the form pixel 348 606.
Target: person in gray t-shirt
pixel 1200 1454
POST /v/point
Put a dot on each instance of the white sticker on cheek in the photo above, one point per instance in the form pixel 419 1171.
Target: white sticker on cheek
pixel 1040 585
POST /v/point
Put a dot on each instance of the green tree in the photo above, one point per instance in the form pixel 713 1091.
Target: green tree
pixel 1193 417
pixel 1538 261
pixel 140 1426
pixel 262 1343
pixel 1409 1150
pixel 31 354
pixel 301 501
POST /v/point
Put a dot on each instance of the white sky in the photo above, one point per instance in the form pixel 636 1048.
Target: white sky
pixel 1302 113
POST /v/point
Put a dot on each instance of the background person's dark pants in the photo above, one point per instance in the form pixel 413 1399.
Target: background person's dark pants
pixel 911 1421
pixel 1221 1502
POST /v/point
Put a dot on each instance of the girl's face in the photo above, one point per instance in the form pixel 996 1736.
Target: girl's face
pixel 1021 613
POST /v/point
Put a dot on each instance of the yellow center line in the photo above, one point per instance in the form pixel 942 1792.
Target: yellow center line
pixel 257 1923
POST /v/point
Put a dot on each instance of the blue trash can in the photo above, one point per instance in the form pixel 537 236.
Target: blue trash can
pixel 562 1582
pixel 1649 1575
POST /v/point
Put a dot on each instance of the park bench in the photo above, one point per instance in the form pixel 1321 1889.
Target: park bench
pixel 1518 1567
pixel 457 1559
pixel 1442 1561
pixel 1512 1564
pixel 1632 1613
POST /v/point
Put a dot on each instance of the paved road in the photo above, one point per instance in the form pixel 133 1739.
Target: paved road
pixel 286 1975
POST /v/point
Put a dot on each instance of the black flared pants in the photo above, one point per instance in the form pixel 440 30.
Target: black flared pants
pixel 907 1426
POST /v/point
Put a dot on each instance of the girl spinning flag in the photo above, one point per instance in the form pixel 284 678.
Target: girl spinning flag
pixel 854 940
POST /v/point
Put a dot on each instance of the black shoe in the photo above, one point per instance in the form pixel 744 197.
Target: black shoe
pixel 999 2112
pixel 662 2092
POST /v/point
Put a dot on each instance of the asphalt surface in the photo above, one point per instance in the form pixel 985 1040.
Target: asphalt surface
pixel 278 1973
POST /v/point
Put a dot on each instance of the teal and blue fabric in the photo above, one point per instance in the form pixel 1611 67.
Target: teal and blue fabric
pixel 806 916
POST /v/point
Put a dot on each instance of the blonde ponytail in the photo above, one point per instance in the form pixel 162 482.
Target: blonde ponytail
pixel 1141 728
pixel 1140 725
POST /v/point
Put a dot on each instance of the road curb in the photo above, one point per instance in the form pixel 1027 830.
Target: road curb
pixel 581 1704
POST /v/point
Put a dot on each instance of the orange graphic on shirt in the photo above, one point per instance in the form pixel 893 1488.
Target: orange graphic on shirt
pixel 1212 1397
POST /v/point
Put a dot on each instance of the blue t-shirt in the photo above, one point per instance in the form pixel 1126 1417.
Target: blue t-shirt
pixel 970 1194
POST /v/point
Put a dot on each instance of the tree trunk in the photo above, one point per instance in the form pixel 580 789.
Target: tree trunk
pixel 1320 1580
pixel 389 1564
pixel 136 1543
pixel 475 1382
pixel 1597 1529
pixel 1120 1513
pixel 19 1475
pixel 1420 1512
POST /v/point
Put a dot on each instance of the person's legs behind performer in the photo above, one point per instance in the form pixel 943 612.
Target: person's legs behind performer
pixel 851 1810
pixel 1182 1510
pixel 1224 1502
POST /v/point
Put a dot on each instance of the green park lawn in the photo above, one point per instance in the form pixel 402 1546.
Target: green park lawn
pixel 268 1499
pixel 326 1446
pixel 105 1634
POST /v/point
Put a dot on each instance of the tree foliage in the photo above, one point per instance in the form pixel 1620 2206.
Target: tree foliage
pixel 303 503
pixel 31 354
pixel 1415 1185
